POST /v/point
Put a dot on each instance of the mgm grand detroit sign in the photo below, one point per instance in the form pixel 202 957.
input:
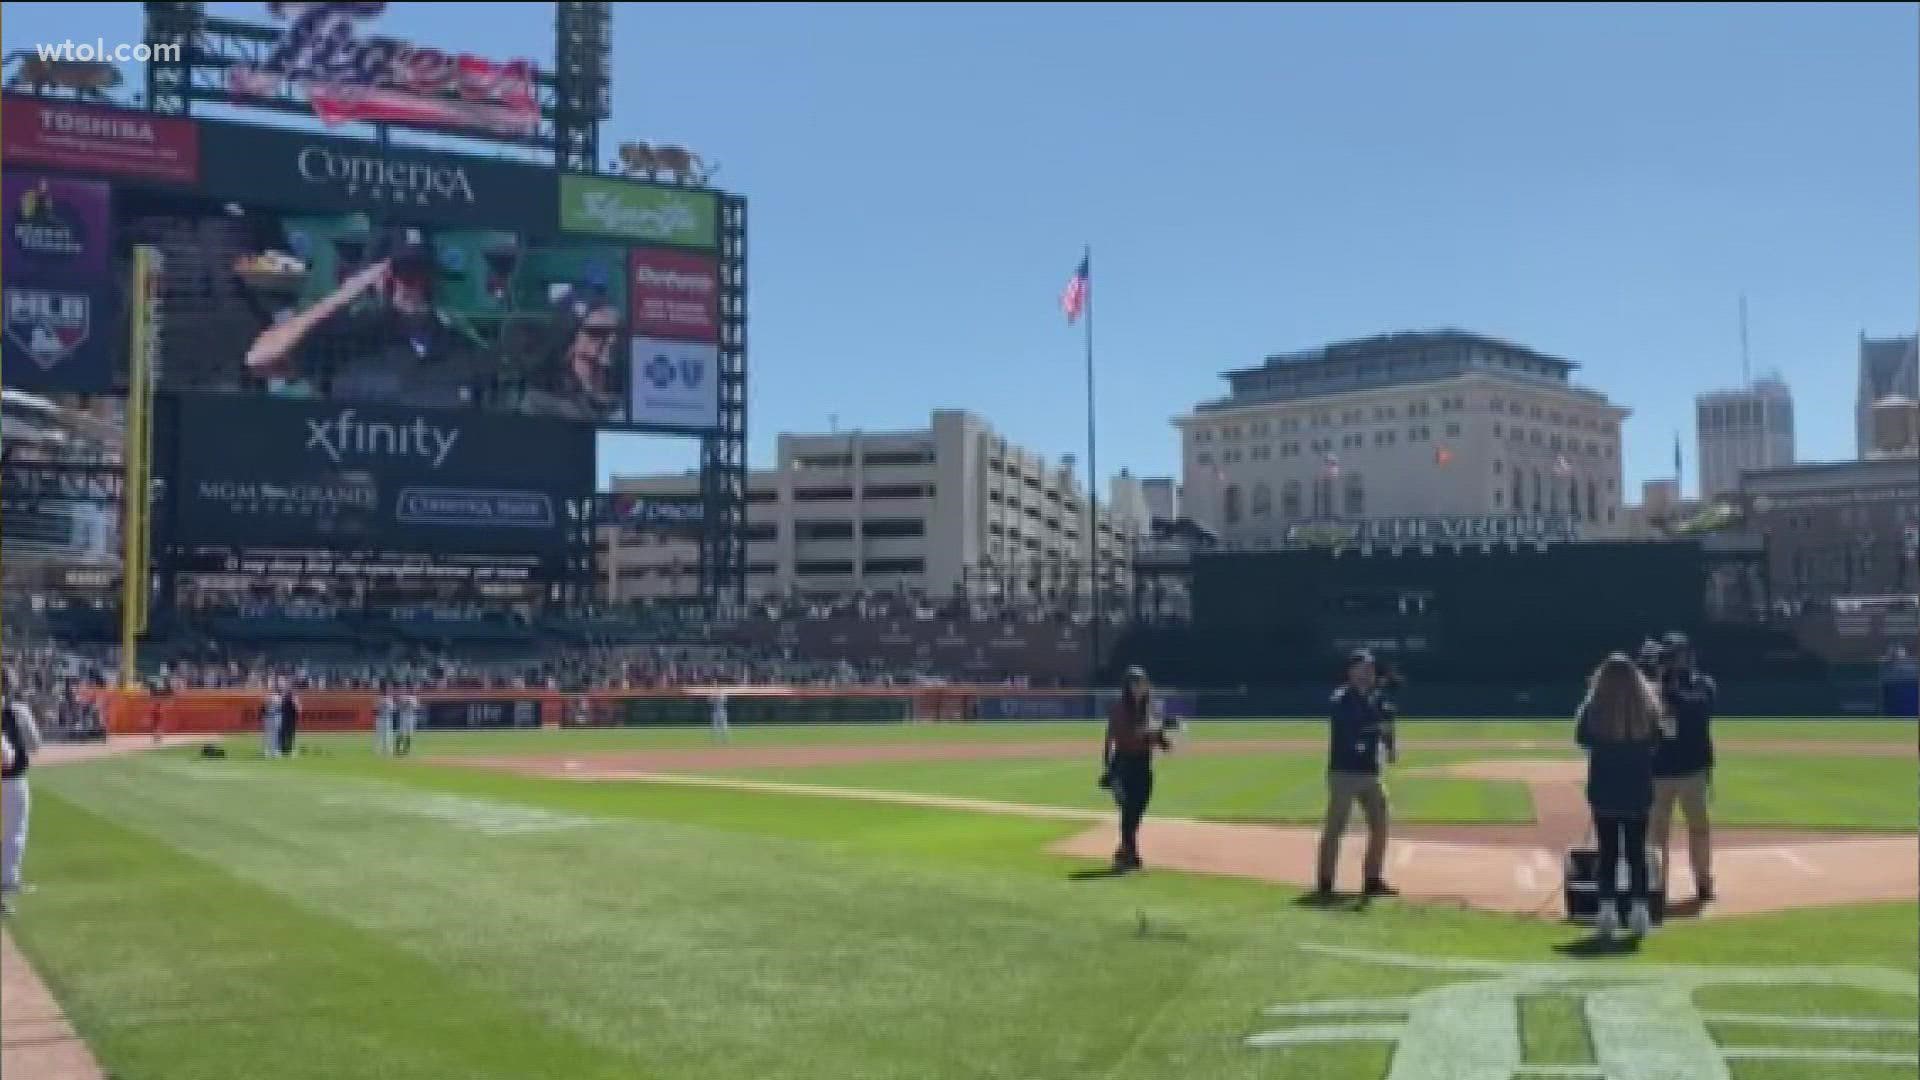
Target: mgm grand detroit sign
pixel 1391 532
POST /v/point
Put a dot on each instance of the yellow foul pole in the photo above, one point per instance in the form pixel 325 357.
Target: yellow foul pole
pixel 137 479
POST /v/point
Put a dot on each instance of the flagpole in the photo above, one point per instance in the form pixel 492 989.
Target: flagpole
pixel 1093 490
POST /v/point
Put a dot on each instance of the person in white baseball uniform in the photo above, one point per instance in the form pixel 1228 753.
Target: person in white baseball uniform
pixel 270 722
pixel 409 717
pixel 384 718
pixel 720 729
pixel 21 741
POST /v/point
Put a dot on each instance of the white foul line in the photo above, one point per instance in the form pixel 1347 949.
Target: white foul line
pixel 1793 859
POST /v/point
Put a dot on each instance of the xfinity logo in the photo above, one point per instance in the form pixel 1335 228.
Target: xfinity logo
pixel 346 435
pixel 672 279
pixel 390 181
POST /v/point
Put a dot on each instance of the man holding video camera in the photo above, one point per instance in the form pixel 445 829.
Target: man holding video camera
pixel 1683 767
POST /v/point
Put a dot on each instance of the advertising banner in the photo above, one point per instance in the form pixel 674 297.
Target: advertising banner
pixel 347 77
pixel 306 475
pixel 99 141
pixel 59 338
pixel 640 212
pixel 57 231
pixel 676 295
pixel 264 167
pixel 675 384
pixel 653 511
pixel 491 712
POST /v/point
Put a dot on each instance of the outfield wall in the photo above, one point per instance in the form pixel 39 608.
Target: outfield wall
pixel 233 712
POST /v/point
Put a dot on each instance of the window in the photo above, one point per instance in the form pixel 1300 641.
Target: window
pixel 1231 457
pixel 1497 404
pixel 1356 502
pixel 1534 437
pixel 1453 431
pixel 1323 497
pixel 1382 412
pixel 1203 435
pixel 1554 417
pixel 1260 429
pixel 822 494
pixel 1263 452
pixel 1231 432
pixel 1384 438
pixel 1321 419
pixel 1499 498
pixel 1553 442
pixel 1496 431
pixel 823 530
pixel 824 566
pixel 1230 504
pixel 896 566
pixel 1499 467
pixel 1354 442
pixel 761 531
pixel 1533 412
pixel 898 491
pixel 763 496
pixel 1262 501
pixel 762 568
pixel 898 457
pixel 1593 502
pixel 1353 416
pixel 824 461
pixel 1290 499
pixel 1539 492
pixel 1202 458
pixel 893 528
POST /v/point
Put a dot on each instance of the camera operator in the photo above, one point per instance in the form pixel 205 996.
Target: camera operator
pixel 1683 768
pixel 1387 700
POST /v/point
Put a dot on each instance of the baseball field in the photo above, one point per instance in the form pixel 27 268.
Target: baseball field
pixel 926 901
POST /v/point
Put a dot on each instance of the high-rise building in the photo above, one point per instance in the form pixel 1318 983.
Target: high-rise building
pixel 1413 425
pixel 926 512
pixel 1889 367
pixel 1741 430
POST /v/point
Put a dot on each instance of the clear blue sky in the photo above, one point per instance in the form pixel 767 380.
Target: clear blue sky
pixel 1597 182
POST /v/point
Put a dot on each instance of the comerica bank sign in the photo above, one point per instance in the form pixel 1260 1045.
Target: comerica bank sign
pixel 1548 528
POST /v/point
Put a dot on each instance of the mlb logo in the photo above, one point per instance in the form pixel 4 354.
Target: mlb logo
pixel 48 326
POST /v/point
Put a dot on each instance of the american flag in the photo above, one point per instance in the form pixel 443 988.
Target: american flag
pixel 1073 299
pixel 1561 466
pixel 1443 456
pixel 1333 465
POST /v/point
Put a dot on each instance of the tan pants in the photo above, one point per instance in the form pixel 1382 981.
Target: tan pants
pixel 1690 792
pixel 1343 788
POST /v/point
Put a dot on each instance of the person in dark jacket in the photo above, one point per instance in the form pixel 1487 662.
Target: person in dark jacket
pixel 1354 751
pixel 1683 771
pixel 1135 729
pixel 1619 726
pixel 287 713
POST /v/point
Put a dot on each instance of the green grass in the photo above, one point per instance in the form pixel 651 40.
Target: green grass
pixel 344 916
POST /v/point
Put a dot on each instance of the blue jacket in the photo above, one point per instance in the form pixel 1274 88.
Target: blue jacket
pixel 1353 744
pixel 1689 699
pixel 1619 774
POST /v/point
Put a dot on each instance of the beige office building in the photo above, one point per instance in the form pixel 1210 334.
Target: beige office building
pixel 1406 426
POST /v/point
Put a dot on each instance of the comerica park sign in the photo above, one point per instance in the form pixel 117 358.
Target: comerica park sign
pixel 1553 528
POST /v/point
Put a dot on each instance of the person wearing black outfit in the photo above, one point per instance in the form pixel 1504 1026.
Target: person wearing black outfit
pixel 1354 749
pixel 1135 730
pixel 397 349
pixel 288 711
pixel 1683 770
pixel 21 740
pixel 1619 726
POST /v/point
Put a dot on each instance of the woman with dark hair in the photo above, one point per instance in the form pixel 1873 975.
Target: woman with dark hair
pixel 1134 731
pixel 576 359
pixel 1620 726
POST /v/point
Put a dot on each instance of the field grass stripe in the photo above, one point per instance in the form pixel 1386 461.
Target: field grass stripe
pixel 1816 1023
